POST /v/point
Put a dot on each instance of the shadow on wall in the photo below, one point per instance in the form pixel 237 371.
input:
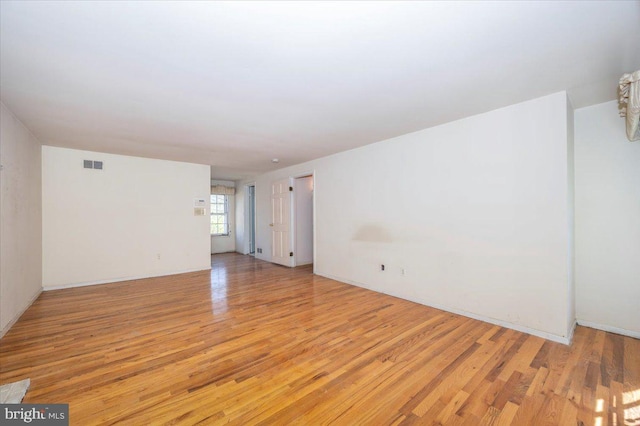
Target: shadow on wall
pixel 372 233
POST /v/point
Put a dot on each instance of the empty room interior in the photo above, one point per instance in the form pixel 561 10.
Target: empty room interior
pixel 321 212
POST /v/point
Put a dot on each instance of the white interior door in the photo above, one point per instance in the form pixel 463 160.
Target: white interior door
pixel 281 222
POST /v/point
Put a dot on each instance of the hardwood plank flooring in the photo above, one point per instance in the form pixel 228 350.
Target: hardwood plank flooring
pixel 254 343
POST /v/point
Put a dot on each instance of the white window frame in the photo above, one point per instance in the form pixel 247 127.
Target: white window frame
pixel 225 214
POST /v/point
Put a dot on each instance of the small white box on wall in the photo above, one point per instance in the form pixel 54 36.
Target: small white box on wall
pixel 199 206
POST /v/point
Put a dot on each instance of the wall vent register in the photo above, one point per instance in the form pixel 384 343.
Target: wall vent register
pixel 90 164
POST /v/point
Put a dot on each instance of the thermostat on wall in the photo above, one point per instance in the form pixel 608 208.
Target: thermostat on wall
pixel 199 206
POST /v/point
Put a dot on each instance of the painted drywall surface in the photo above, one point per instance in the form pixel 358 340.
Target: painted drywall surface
pixel 475 212
pixel 571 240
pixel 133 219
pixel 21 219
pixel 607 221
pixel 303 196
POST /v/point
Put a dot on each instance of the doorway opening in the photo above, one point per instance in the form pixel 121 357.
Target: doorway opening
pixel 251 207
pixel 303 220
pixel 292 221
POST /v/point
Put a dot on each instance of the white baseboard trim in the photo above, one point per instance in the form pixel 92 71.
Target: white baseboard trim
pixel 19 314
pixel 610 329
pixel 117 280
pixel 566 340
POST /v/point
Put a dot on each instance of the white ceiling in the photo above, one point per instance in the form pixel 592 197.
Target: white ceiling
pixel 236 84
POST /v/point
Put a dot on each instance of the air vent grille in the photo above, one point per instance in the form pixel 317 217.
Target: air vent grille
pixel 90 164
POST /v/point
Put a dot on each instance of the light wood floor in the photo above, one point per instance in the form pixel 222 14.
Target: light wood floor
pixel 255 343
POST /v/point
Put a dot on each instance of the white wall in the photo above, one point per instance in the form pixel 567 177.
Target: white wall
pixel 476 213
pixel 133 219
pixel 303 223
pixel 607 221
pixel 571 252
pixel 21 219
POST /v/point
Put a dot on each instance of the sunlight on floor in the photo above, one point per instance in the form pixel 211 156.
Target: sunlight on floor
pixel 219 289
pixel 631 404
pixel 631 397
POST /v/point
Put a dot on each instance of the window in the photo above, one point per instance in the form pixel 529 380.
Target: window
pixel 219 215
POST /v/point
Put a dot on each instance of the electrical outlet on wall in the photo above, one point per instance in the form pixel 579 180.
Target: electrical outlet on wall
pixel 259 250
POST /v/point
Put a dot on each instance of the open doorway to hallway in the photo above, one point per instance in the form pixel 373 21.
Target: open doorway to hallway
pixel 251 210
pixel 303 220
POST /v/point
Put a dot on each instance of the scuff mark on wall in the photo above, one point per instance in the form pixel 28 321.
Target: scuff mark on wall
pixel 372 233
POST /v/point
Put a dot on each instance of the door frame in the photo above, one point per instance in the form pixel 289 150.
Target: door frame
pixel 294 216
pixel 252 215
pixel 246 245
